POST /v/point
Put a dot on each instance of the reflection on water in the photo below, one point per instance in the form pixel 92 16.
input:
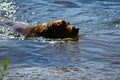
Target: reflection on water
pixel 96 54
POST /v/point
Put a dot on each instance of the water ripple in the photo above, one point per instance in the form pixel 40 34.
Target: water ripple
pixel 66 3
pixel 96 54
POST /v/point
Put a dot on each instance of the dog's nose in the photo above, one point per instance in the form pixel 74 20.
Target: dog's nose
pixel 75 29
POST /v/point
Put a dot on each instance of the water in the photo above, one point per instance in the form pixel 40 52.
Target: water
pixel 96 55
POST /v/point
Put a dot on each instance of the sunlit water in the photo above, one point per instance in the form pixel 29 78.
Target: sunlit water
pixel 97 52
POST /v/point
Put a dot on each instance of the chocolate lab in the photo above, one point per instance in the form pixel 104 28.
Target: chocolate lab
pixel 55 29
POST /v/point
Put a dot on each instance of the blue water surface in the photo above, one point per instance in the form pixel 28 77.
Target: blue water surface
pixel 97 51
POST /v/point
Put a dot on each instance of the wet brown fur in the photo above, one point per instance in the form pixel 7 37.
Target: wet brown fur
pixel 54 29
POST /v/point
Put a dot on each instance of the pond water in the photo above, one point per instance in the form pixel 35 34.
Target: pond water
pixel 97 51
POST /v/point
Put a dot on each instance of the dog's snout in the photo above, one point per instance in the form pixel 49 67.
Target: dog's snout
pixel 75 29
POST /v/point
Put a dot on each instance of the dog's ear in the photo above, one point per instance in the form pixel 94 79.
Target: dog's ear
pixel 65 23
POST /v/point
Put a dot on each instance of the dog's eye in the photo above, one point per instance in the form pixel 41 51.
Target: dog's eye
pixel 68 23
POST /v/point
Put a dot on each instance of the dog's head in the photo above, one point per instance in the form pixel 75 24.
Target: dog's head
pixel 61 29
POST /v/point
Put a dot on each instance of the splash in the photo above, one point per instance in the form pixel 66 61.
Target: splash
pixel 7 9
pixel 8 34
